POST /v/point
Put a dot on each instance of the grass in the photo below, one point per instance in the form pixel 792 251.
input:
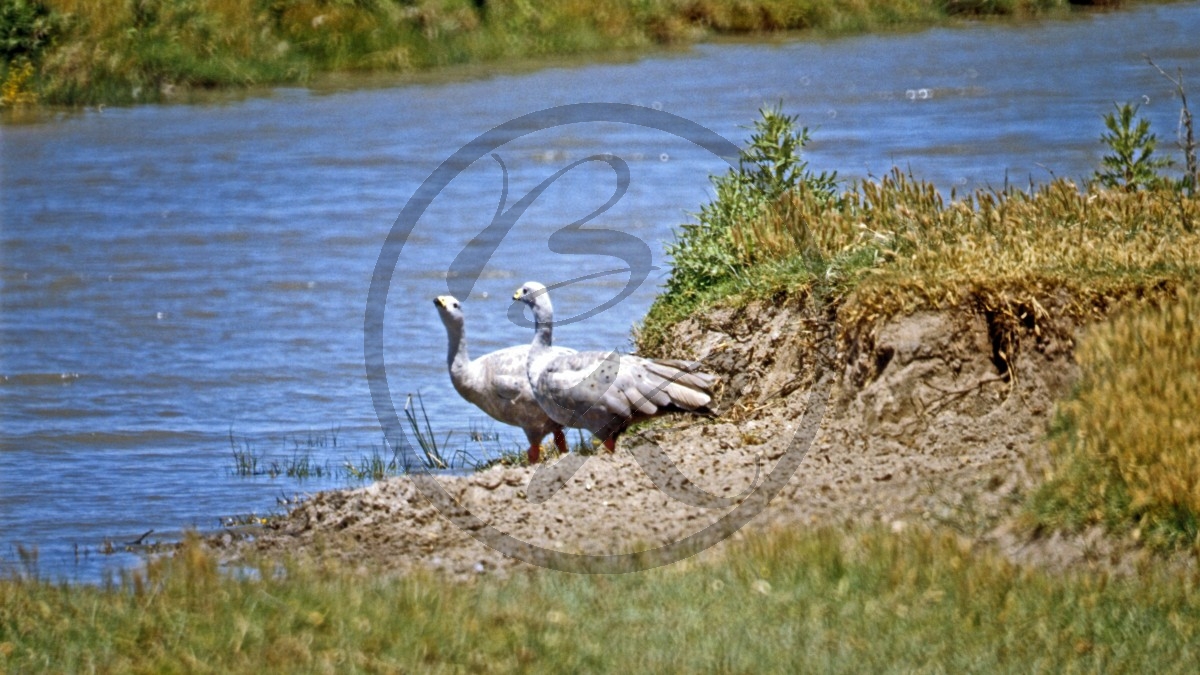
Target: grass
pixel 863 600
pixel 300 464
pixel 1126 445
pixel 896 245
pixel 432 452
pixel 375 466
pixel 85 52
pixel 585 444
pixel 483 449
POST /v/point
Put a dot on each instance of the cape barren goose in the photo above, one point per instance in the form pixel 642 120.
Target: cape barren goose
pixel 605 392
pixel 496 383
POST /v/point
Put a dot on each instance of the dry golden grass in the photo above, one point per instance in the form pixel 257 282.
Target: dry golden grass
pixel 1023 253
pixel 1056 248
pixel 895 246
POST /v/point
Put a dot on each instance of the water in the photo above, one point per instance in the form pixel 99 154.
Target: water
pixel 176 277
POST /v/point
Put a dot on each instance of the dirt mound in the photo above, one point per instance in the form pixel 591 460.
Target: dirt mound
pixel 933 418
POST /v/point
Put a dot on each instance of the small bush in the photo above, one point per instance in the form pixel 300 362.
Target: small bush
pixel 27 27
pixel 706 254
pixel 1132 165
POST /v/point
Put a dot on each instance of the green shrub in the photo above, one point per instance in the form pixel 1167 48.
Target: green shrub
pixel 705 254
pixel 1132 165
pixel 27 27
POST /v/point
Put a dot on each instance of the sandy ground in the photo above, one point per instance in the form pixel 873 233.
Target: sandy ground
pixel 924 424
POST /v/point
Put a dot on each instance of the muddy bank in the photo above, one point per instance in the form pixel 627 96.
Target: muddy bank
pixel 932 419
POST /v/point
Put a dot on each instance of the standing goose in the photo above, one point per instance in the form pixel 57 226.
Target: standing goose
pixel 496 383
pixel 606 392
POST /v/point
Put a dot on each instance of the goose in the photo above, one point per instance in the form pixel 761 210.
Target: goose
pixel 496 382
pixel 606 392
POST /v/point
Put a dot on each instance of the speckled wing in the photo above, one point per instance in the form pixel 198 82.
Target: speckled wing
pixel 570 386
pixel 508 387
pixel 606 391
pixel 504 372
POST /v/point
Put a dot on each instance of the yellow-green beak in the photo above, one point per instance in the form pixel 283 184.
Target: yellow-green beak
pixel 517 295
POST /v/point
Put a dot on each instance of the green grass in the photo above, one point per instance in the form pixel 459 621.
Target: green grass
pixel 248 460
pixel 128 51
pixel 794 601
pixel 583 444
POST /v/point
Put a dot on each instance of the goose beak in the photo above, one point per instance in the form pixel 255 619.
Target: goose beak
pixel 517 295
pixel 440 301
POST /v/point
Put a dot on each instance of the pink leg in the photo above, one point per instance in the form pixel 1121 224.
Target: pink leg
pixel 610 443
pixel 560 440
pixel 535 452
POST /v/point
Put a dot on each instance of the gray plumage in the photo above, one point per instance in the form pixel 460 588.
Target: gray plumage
pixel 496 383
pixel 605 392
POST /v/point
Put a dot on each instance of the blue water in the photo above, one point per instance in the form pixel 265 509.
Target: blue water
pixel 180 282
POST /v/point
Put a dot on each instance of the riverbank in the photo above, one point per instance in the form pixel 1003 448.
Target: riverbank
pixel 86 52
pixel 957 335
pixel 908 520
pixel 949 333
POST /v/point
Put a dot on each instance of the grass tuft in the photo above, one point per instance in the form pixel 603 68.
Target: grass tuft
pixel 433 454
pixel 1126 445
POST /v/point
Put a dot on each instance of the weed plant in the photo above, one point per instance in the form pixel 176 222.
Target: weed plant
pixel 789 601
pixel 1131 165
pixel 126 51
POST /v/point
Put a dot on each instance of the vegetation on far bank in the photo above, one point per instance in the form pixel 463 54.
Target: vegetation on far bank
pixel 81 52
pixel 786 601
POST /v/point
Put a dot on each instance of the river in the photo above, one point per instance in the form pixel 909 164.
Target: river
pixel 183 285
